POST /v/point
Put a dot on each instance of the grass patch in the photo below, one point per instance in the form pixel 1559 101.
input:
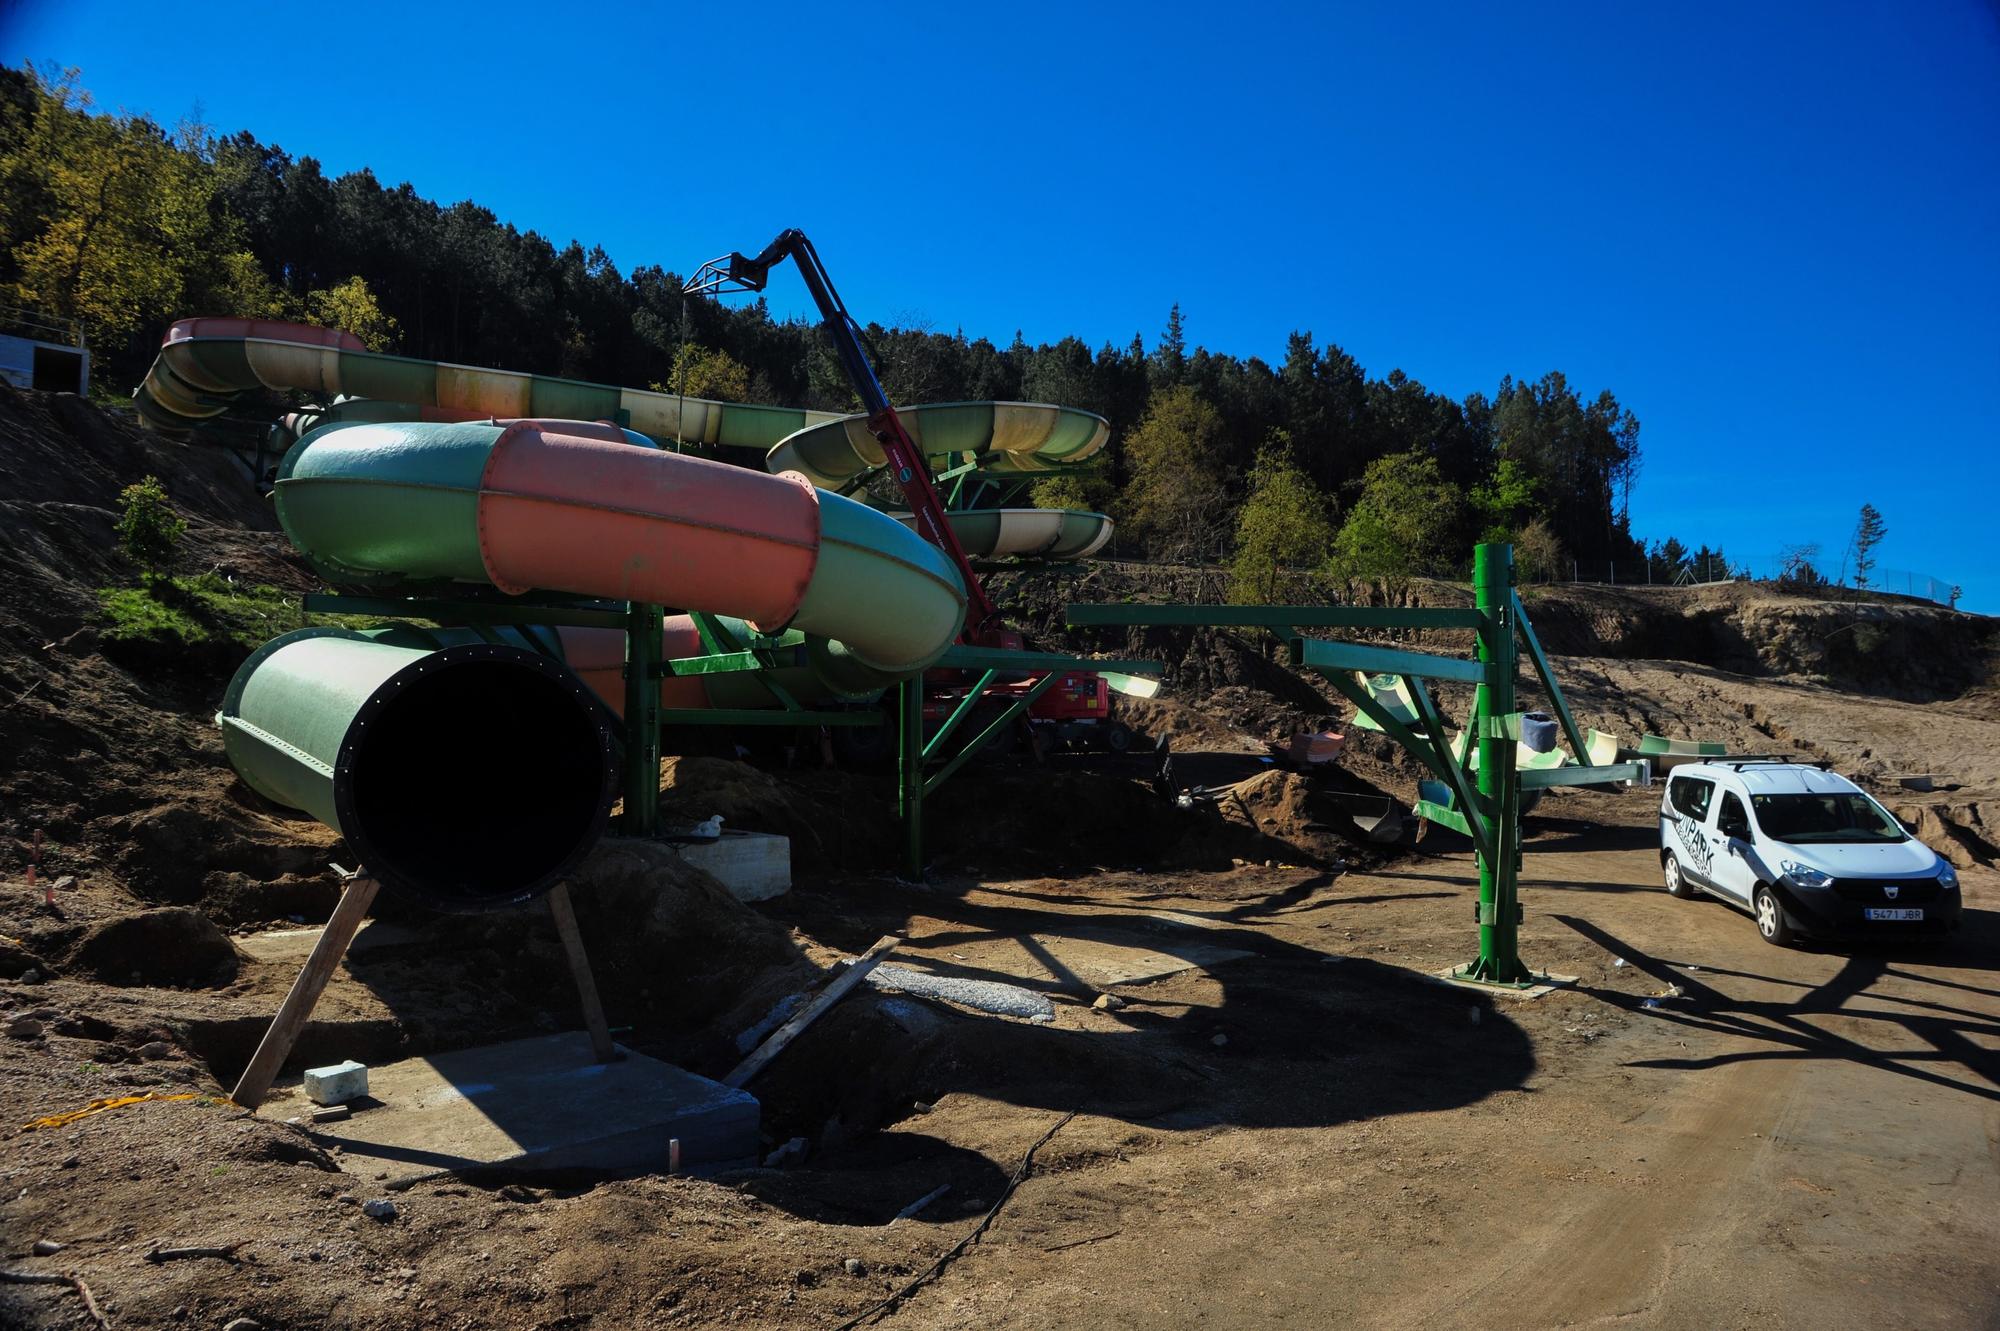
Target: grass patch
pixel 207 608
pixel 210 610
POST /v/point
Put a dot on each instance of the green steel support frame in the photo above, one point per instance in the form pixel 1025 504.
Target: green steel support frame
pixel 1488 812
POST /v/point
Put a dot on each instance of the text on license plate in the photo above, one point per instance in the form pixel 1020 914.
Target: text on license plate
pixel 1895 913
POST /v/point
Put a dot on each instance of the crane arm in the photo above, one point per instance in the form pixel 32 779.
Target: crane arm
pixel 738 272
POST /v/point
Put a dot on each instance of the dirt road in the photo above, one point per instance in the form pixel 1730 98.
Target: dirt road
pixel 1802 1138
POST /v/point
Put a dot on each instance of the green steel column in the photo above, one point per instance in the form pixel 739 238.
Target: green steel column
pixel 643 650
pixel 1499 784
pixel 910 771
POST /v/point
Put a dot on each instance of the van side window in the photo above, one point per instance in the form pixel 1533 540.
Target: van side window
pixel 1731 820
pixel 1690 795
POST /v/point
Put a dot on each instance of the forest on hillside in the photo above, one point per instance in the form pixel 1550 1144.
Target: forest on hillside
pixel 1302 465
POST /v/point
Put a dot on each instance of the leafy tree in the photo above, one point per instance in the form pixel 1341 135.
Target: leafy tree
pixel 1868 534
pixel 1175 502
pixel 1087 491
pixel 149 530
pixel 1282 528
pixel 1402 522
pixel 351 306
pixel 1506 501
pixel 1538 552
pixel 708 373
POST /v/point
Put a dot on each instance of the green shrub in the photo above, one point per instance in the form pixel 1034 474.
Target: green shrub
pixel 149 530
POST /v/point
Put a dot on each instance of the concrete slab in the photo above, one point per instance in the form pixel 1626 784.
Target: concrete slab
pixel 295 945
pixel 539 1103
pixel 1545 984
pixel 754 866
pixel 1100 960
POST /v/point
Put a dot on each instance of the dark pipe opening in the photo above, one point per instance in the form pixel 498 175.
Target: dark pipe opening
pixel 475 778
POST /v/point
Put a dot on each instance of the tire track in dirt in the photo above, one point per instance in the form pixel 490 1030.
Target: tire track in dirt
pixel 1611 1258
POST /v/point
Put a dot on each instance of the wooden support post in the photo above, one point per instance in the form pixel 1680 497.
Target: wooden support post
pixel 564 911
pixel 296 1010
pixel 857 970
pixel 910 773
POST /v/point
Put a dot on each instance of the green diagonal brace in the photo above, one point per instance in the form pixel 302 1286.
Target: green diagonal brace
pixel 1548 678
pixel 1443 817
pixel 1462 791
pixel 978 742
pixel 959 713
pixel 1419 749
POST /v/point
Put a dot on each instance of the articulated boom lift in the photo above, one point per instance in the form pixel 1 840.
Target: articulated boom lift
pixel 1080 701
pixel 907 463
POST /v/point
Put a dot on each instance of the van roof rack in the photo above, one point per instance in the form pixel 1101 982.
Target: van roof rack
pixel 1739 761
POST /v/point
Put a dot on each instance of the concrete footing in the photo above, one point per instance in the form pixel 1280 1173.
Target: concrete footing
pixel 754 866
pixel 540 1103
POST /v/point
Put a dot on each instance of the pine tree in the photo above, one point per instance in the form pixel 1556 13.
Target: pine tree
pixel 1868 534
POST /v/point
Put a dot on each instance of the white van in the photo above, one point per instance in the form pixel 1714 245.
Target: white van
pixel 1804 850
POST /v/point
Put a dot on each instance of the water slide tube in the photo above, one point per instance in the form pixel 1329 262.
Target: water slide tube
pixel 365 730
pixel 205 362
pixel 471 777
pixel 1010 439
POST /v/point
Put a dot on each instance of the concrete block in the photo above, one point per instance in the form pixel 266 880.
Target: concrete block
pixel 754 866
pixel 338 1084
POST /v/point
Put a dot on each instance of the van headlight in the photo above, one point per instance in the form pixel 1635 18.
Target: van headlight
pixel 1804 875
pixel 1947 876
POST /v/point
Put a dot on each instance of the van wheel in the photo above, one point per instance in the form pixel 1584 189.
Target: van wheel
pixel 1770 917
pixel 1677 882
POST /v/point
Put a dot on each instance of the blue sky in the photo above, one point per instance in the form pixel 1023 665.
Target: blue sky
pixel 1773 230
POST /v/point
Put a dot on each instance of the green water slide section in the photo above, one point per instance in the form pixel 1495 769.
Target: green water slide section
pixel 388 743
pixel 205 363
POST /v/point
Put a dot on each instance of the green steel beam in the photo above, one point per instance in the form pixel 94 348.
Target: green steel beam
pixel 726 663
pixel 959 713
pixel 1115 614
pixel 1543 778
pixel 1548 678
pixel 745 716
pixel 466 611
pixel 959 656
pixel 1324 656
pixel 1006 718
pixel 1444 817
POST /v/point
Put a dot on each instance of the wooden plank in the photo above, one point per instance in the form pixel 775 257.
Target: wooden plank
pixel 296 1010
pixel 774 1044
pixel 564 912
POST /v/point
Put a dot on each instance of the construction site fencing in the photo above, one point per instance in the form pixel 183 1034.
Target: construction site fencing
pixel 1732 568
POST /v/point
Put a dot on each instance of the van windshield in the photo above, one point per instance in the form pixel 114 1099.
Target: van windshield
pixel 1825 819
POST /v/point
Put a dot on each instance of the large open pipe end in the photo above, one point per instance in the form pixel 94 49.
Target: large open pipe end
pixel 469 778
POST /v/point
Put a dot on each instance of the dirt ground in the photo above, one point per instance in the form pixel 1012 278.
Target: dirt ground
pixel 1276 1117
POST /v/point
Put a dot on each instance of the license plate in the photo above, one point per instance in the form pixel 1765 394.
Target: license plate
pixel 1894 913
